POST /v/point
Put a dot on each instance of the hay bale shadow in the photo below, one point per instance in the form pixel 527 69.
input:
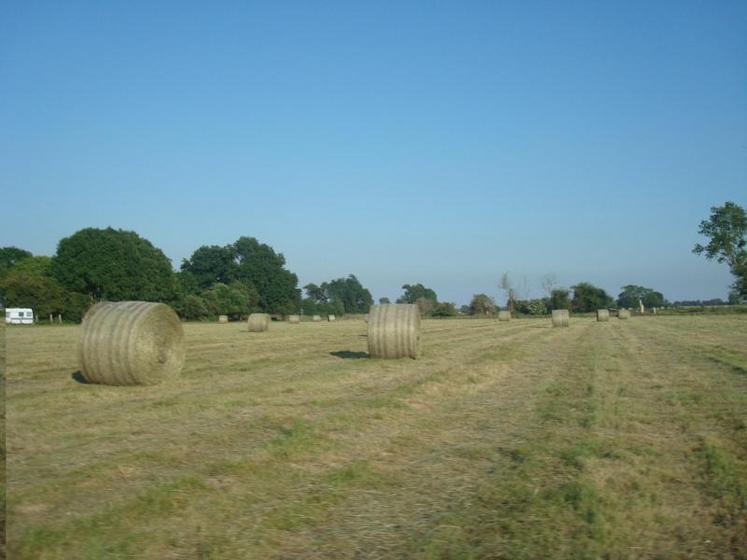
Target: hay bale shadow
pixel 77 376
pixel 349 355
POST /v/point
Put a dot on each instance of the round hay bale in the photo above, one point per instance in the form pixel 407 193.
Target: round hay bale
pixel 131 343
pixel 223 318
pixel 330 317
pixel 258 322
pixel 623 314
pixel 294 319
pixel 316 318
pixel 561 318
pixel 394 330
pixel 504 315
pixel 603 315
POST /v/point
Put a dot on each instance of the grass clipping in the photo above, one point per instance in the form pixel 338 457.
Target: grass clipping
pixel 131 343
pixel 504 315
pixel 561 318
pixel 394 331
pixel 603 315
pixel 258 322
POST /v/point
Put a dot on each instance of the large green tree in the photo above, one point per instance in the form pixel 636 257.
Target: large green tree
pixel 559 299
pixel 482 304
pixel 260 266
pixel 727 232
pixel 43 294
pixel 350 292
pixel 414 292
pixel 115 265
pixel 632 295
pixel 587 298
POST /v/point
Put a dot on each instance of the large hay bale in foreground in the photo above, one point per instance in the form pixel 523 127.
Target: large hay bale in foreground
pixel 131 343
pixel 603 315
pixel 623 314
pixel 394 330
pixel 316 318
pixel 504 315
pixel 330 317
pixel 258 322
pixel 294 319
pixel 223 318
pixel 561 318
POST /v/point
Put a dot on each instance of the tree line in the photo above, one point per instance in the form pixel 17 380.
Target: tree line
pixel 116 265
pixel 247 276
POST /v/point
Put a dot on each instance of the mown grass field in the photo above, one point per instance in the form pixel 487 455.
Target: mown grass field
pixel 625 439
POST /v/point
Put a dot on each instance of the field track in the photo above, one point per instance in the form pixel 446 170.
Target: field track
pixel 625 439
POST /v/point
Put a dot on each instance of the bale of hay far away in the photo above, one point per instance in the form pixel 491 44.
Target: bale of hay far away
pixel 258 322
pixel 131 343
pixel 394 331
pixel 504 315
pixel 223 318
pixel 561 318
pixel 603 315
pixel 316 318
pixel 294 319
pixel 330 317
pixel 623 314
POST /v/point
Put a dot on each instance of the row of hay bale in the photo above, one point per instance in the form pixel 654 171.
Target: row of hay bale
pixel 142 343
pixel 562 318
pixel 293 319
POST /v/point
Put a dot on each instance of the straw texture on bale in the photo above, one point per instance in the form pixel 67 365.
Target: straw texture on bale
pixel 294 319
pixel 504 315
pixel 258 322
pixel 223 318
pixel 623 314
pixel 603 315
pixel 131 343
pixel 394 331
pixel 316 318
pixel 561 318
pixel 330 317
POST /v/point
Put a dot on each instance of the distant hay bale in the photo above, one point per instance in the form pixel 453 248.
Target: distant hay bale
pixel 623 314
pixel 394 331
pixel 223 318
pixel 603 315
pixel 316 318
pixel 330 317
pixel 294 319
pixel 258 322
pixel 561 318
pixel 504 315
pixel 131 343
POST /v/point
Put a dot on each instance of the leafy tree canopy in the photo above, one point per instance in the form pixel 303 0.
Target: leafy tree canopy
pixel 559 299
pixel 115 265
pixel 482 304
pixel 384 300
pixel 727 232
pixel 631 295
pixel 235 299
pixel 587 298
pixel 414 292
pixel 10 257
pixel 251 262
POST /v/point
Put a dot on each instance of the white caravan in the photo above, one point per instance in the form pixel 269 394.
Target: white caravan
pixel 19 316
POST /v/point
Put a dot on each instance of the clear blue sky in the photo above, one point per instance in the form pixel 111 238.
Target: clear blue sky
pixel 433 142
